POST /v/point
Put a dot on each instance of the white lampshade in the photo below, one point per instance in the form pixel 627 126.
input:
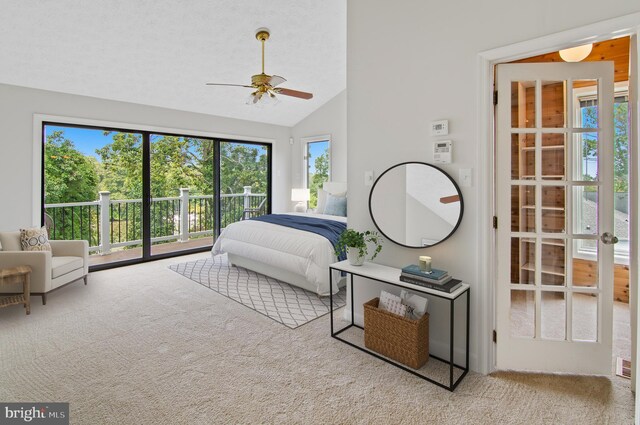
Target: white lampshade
pixel 576 54
pixel 300 195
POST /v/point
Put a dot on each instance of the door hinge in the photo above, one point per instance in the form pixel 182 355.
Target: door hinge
pixel 495 336
pixel 495 222
pixel 495 97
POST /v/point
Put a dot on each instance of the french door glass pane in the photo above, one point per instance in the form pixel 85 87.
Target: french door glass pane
pixel 553 153
pixel 523 260
pixel 586 215
pixel 523 155
pixel 554 113
pixel 585 267
pixel 244 169
pixel 586 168
pixel 93 190
pixel 523 205
pixel 182 186
pixel 588 117
pixel 553 262
pixel 584 319
pixel 553 315
pixel 523 112
pixel 523 314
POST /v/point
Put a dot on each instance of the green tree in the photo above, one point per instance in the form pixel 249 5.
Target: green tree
pixel 620 143
pixel 70 175
pixel 320 176
pixel 121 171
pixel 621 147
pixel 242 165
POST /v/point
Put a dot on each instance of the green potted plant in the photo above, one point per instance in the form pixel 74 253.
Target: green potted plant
pixel 354 243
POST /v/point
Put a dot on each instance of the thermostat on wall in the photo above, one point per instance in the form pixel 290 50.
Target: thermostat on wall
pixel 440 128
pixel 442 152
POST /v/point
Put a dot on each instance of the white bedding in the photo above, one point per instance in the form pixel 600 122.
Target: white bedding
pixel 297 251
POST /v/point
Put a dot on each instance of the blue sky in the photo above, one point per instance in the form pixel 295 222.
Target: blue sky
pixel 86 140
pixel 315 150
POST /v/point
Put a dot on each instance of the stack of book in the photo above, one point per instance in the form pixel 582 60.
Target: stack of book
pixel 435 279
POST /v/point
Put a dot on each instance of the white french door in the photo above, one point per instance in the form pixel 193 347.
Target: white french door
pixel 554 195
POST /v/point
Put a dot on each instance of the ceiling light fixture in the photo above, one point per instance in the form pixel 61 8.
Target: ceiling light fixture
pixel 576 54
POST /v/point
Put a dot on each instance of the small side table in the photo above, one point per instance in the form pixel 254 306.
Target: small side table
pixel 14 275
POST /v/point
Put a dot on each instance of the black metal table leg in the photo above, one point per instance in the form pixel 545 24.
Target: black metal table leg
pixel 352 312
pixel 331 297
pixel 468 311
pixel 452 304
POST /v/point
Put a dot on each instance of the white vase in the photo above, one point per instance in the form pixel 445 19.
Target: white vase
pixel 354 257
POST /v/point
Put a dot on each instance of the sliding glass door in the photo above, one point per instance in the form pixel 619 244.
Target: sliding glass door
pixel 137 195
pixel 182 187
pixel 245 181
pixel 93 190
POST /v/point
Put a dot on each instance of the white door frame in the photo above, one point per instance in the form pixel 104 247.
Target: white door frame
pixel 486 61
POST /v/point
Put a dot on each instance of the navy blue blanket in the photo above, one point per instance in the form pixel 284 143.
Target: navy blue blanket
pixel 329 229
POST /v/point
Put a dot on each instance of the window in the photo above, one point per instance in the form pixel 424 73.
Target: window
pixel 317 163
pixel 134 194
pixel 587 113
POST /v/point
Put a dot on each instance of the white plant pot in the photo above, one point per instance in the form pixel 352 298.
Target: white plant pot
pixel 353 255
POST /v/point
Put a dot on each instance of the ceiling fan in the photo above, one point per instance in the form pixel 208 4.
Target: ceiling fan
pixel 265 86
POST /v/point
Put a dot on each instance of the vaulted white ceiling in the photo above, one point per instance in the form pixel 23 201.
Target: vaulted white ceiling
pixel 162 52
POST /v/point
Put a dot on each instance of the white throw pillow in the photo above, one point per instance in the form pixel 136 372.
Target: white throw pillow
pixel 35 239
pixel 322 200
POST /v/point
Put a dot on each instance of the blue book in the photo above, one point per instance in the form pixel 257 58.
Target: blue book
pixel 435 274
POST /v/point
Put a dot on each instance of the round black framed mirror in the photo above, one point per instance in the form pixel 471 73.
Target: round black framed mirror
pixel 416 205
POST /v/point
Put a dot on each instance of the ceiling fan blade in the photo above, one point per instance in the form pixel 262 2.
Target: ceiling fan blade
pixel 295 93
pixel 231 85
pixel 275 80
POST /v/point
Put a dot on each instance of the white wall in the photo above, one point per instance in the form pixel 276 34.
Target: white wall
pixel 18 106
pixel 330 119
pixel 413 62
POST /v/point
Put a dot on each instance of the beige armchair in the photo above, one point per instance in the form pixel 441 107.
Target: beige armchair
pixel 67 262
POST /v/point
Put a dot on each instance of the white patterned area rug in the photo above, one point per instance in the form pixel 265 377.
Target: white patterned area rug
pixel 284 303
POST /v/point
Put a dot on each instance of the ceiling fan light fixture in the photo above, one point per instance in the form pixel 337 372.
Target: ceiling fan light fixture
pixel 261 99
pixel 264 85
pixel 576 54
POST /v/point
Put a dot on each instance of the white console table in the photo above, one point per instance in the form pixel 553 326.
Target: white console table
pixel 391 276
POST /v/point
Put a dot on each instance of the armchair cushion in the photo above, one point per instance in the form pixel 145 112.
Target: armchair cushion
pixel 63 265
pixel 10 241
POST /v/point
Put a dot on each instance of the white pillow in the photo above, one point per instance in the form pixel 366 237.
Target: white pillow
pixel 322 200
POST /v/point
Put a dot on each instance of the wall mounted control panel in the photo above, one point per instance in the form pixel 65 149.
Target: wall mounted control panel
pixel 440 128
pixel 442 152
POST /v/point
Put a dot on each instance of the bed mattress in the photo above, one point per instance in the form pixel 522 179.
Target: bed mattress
pixel 302 253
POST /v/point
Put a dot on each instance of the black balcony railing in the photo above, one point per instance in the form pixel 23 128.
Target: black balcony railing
pixel 121 225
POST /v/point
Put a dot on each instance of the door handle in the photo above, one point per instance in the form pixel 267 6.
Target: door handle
pixel 608 238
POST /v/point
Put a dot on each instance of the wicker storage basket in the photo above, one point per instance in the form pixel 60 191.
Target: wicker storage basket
pixel 403 340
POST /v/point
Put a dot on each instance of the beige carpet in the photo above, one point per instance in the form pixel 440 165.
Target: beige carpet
pixel 144 345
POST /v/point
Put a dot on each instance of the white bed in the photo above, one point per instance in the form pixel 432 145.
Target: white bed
pixel 294 256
